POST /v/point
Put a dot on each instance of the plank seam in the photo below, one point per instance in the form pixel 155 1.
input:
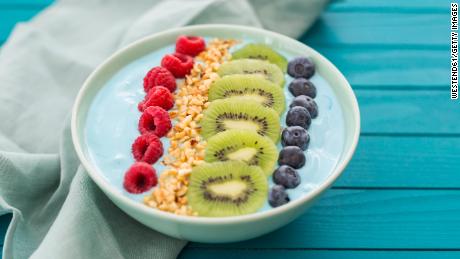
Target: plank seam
pixel 410 134
pixel 388 46
pixel 418 88
pixel 395 188
pixel 332 249
pixel 387 10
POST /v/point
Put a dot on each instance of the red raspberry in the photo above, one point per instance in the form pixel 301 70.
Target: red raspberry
pixel 178 64
pixel 155 120
pixel 190 45
pixel 147 148
pixel 159 76
pixel 157 96
pixel 139 178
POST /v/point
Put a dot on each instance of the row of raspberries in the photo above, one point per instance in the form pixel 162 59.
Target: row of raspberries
pixel 154 123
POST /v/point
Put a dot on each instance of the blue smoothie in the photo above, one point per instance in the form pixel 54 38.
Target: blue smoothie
pixel 112 120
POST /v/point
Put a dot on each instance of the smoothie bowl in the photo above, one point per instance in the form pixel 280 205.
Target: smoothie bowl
pixel 215 133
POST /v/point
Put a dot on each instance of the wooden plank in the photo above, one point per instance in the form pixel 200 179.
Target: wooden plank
pixel 24 3
pixel 428 6
pixel 301 254
pixel 12 16
pixel 404 162
pixel 393 67
pixel 405 111
pixel 305 254
pixel 370 219
pixel 363 28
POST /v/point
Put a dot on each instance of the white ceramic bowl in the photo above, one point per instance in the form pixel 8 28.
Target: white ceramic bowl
pixel 206 229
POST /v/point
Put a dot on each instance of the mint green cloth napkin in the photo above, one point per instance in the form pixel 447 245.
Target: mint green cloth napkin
pixel 58 212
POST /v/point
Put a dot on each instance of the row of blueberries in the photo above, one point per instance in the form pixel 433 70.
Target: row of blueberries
pixel 295 138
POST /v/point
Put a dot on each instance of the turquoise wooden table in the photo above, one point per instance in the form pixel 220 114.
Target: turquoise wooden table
pixel 400 196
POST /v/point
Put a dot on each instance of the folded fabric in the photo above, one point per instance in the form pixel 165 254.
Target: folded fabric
pixel 58 212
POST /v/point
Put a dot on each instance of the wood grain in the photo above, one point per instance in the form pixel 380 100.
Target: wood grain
pixel 429 112
pixel 368 219
pixel 306 254
pixel 392 67
pixel 402 29
pixel 404 162
pixel 394 6
pixel 377 219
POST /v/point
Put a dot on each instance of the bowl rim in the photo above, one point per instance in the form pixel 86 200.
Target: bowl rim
pixel 112 193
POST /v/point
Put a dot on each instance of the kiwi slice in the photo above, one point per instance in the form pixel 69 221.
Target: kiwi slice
pixel 249 87
pixel 227 114
pixel 253 66
pixel 228 188
pixel 263 52
pixel 242 145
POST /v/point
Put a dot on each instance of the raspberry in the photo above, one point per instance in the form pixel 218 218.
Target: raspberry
pixel 147 148
pixel 190 45
pixel 178 64
pixel 157 96
pixel 159 76
pixel 155 120
pixel 139 178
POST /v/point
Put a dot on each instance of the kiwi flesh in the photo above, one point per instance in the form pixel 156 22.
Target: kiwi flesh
pixel 249 87
pixel 262 52
pixel 270 71
pixel 242 145
pixel 227 114
pixel 228 188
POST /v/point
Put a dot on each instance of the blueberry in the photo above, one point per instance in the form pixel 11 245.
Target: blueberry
pixel 301 67
pixel 298 116
pixel 295 136
pixel 278 196
pixel 292 156
pixel 286 176
pixel 302 86
pixel 306 102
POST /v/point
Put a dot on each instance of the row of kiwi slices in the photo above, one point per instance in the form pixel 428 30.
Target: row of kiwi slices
pixel 241 126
